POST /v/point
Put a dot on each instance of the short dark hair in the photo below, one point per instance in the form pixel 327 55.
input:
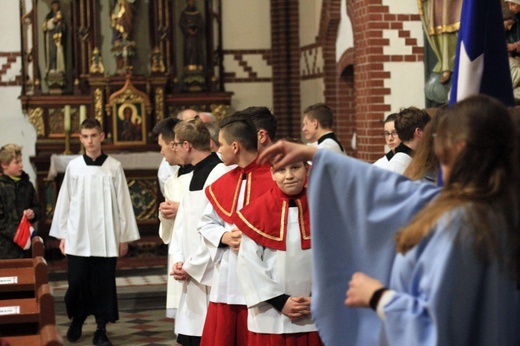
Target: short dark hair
pixel 91 123
pixel 408 120
pixel 391 117
pixel 262 118
pixel 240 128
pixel 322 113
pixel 165 128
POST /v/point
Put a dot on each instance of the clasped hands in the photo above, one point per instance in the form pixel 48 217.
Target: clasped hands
pixel 297 308
pixel 232 239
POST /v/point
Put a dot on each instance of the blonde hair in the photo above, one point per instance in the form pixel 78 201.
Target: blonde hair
pixel 9 152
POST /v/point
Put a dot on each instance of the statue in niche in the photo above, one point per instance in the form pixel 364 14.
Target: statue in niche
pixel 441 20
pixel 157 61
pixel 123 45
pixel 191 24
pixel 54 30
pixel 97 65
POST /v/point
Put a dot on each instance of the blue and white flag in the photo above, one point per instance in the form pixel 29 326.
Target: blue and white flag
pixel 481 63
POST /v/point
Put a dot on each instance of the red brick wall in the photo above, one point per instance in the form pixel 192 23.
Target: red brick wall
pixel 285 55
pixel 339 90
pixel 369 19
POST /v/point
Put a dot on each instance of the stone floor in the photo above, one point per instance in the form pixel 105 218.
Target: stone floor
pixel 141 298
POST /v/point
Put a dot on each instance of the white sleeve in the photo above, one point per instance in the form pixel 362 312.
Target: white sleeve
pixel 253 273
pixel 129 231
pixel 212 228
pixel 61 210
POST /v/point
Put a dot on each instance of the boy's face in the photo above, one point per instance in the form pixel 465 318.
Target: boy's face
pixel 13 168
pixel 291 178
pixel 309 129
pixel 391 140
pixel 227 150
pixel 167 151
pixel 514 7
pixel 91 139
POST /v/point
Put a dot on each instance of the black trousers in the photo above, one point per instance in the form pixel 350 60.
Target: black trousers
pixel 92 288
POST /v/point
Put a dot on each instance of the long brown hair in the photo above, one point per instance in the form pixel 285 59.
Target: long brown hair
pixel 424 160
pixel 483 179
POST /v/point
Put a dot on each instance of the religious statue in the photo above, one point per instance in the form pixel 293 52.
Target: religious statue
pixel 97 65
pixel 192 27
pixel 157 61
pixel 191 24
pixel 123 45
pixel 441 20
pixel 54 34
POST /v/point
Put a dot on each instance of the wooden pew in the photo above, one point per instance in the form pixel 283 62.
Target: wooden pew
pixel 38 248
pixel 38 310
pixel 22 277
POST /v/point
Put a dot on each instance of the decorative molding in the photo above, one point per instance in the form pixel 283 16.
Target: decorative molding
pixel 10 68
pixel 311 62
pixel 98 104
pixel 219 111
pixel 247 65
pixel 159 104
pixel 36 119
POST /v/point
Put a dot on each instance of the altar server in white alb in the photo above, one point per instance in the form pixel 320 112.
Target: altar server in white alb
pixel 174 188
pixel 192 146
pixel 317 128
pixel 95 221
pixel 275 261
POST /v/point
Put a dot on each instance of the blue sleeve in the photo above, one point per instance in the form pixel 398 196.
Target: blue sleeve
pixel 447 295
pixel 356 209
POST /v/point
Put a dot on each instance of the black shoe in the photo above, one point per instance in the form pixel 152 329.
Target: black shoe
pixel 101 338
pixel 75 329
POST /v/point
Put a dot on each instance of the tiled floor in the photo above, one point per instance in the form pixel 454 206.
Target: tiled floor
pixel 141 298
pixel 148 327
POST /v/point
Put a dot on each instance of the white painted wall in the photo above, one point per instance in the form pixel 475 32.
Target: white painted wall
pixel 401 6
pixel 15 126
pixel 246 24
pixel 250 94
pixel 309 21
pixel 406 83
pixel 345 33
pixel 312 92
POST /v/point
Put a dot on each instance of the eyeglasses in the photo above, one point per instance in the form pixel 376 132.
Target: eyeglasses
pixel 389 134
pixel 174 144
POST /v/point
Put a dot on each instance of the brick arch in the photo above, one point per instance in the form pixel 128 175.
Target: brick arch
pixel 339 92
pixel 345 61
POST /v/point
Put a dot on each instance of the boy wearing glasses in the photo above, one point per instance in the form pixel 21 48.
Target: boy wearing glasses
pixel 391 139
pixel 409 124
pixel 191 266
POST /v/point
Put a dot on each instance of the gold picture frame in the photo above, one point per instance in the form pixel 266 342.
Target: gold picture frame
pixel 129 108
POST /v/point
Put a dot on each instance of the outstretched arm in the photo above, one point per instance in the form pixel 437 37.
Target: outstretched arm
pixel 283 153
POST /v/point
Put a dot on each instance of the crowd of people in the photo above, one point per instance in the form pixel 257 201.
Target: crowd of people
pixel 427 237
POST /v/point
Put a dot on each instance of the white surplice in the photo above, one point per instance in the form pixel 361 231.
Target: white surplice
pixel 267 273
pixel 186 241
pixel 94 211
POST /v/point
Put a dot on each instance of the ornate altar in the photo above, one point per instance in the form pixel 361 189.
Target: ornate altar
pixel 128 63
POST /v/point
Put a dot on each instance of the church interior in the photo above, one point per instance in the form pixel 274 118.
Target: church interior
pixel 132 63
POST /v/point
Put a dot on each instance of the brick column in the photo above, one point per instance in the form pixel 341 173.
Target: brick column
pixel 285 64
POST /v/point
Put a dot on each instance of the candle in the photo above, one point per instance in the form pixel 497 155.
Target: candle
pixel 66 123
pixel 82 113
